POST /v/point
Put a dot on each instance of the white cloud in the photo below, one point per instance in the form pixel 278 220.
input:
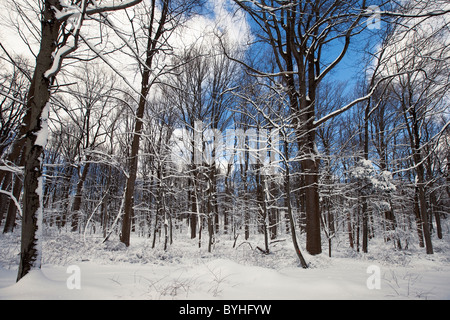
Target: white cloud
pixel 224 20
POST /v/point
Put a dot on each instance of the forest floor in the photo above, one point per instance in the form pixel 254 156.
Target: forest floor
pixel 187 272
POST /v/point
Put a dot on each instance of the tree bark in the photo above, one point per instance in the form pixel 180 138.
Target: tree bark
pixel 193 216
pixel 435 211
pixel 420 172
pixel 312 207
pixel 76 206
pixel 133 161
pixel 350 230
pixel 12 208
pixel 418 219
pixel 37 99
pixel 423 211
pixel 4 199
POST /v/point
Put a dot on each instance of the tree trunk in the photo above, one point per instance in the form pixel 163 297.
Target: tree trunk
pixel 37 100
pixel 133 163
pixel 288 205
pixel 312 207
pixel 273 213
pixel 210 231
pixel 193 217
pixel 448 172
pixel 418 219
pixel 76 206
pixel 155 227
pixel 365 213
pixel 152 44
pixel 350 230
pixel 4 199
pixel 435 211
pixel 420 184
pixel 424 215
pixel 12 208
pixel 365 226
pixel 244 172
pixel 260 200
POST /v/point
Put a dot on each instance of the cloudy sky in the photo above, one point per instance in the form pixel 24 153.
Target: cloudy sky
pixel 19 33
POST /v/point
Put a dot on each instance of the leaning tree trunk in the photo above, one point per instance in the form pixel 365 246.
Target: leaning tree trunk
pixel 152 49
pixel 133 163
pixel 288 205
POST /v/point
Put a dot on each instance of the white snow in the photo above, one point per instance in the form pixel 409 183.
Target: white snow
pixel 58 56
pixel 42 134
pixel 110 271
pixel 39 216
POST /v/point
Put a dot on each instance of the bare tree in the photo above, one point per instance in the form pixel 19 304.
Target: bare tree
pixel 13 87
pixel 298 33
pixel 418 49
pixel 59 35
pixel 158 24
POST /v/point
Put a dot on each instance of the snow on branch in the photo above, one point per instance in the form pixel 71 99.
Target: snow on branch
pixel 70 42
pixel 112 6
pixel 433 13
pixel 363 98
pixel 14 199
pixel 11 168
pixel 78 13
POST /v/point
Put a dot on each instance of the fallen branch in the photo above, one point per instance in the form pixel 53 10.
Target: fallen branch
pixel 246 243
pixel 275 241
pixel 263 251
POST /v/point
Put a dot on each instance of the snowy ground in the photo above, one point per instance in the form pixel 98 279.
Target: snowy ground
pixel 110 271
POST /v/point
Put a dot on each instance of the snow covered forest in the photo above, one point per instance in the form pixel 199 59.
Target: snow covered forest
pixel 237 136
